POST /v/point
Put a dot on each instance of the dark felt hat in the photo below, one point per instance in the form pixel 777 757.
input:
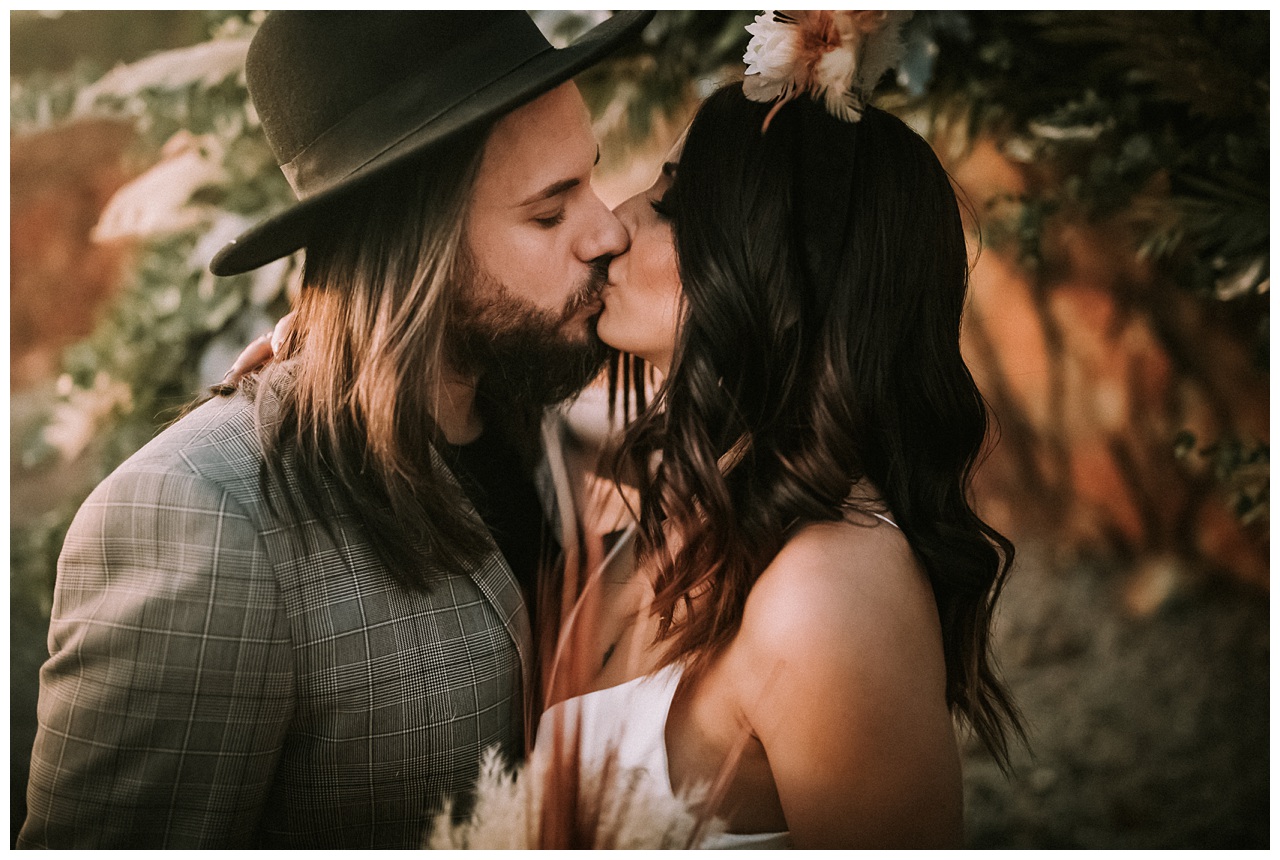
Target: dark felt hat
pixel 345 95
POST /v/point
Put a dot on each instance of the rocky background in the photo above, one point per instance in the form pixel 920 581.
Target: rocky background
pixel 1115 171
pixel 1144 731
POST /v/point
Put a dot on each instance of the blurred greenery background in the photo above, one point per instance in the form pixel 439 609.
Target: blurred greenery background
pixel 1115 172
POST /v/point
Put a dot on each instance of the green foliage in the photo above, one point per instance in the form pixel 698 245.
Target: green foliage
pixel 1162 112
pixel 173 328
pixel 43 99
pixel 1097 96
pixel 33 559
pixel 1161 116
pixel 680 56
pixel 1244 468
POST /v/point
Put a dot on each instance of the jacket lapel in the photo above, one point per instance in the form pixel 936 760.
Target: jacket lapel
pixel 496 581
pixel 491 575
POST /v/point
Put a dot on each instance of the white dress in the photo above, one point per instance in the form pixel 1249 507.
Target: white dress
pixel 629 721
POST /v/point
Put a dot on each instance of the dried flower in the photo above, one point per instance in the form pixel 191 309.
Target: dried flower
pixel 771 59
pixel 532 807
pixel 836 57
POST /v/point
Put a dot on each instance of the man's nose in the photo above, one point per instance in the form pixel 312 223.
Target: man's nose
pixel 607 236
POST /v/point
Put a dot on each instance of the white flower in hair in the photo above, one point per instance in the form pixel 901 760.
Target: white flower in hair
pixel 837 57
pixel 770 58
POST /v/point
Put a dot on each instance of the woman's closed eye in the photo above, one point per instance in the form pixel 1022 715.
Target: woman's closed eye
pixel 663 207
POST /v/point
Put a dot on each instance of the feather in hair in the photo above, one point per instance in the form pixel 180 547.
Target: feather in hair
pixel 837 57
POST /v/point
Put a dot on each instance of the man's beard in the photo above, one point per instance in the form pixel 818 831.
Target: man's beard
pixel 518 353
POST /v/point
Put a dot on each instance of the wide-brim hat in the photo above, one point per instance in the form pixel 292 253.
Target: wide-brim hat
pixel 343 96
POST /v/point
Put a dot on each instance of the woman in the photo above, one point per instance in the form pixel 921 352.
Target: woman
pixel 821 590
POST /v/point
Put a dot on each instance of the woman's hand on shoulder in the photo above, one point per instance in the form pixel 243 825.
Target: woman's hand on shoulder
pixel 259 351
pixel 841 642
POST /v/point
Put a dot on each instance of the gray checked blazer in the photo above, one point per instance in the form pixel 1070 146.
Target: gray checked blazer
pixel 210 686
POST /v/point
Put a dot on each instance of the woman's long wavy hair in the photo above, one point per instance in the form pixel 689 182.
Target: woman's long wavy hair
pixel 824 273
pixel 366 351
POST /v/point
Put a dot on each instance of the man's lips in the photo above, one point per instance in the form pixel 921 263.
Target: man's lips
pixel 588 309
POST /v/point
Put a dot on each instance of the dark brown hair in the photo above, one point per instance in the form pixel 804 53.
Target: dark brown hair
pixel 366 353
pixel 824 273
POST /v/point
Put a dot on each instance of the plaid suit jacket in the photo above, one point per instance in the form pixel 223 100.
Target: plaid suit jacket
pixel 211 686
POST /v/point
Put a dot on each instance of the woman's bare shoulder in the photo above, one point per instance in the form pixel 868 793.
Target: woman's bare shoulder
pixel 849 575
pixel 839 670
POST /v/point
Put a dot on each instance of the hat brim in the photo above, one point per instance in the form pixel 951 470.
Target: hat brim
pixel 287 231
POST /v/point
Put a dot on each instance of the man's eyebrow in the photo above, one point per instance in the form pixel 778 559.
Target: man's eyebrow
pixel 556 188
pixel 551 190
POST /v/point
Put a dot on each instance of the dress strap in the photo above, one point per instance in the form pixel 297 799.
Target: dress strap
pixel 886 519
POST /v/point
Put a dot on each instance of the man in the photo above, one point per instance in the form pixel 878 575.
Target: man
pixel 285 621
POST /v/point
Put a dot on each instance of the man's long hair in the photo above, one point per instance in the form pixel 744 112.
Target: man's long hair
pixel 367 356
pixel 824 275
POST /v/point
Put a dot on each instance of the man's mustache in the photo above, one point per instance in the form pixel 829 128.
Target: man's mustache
pixel 590 290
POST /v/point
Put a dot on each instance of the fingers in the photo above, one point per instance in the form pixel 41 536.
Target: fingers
pixel 260 351
pixel 281 331
pixel 256 354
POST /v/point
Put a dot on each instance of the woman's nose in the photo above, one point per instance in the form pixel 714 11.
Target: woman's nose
pixel 627 213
